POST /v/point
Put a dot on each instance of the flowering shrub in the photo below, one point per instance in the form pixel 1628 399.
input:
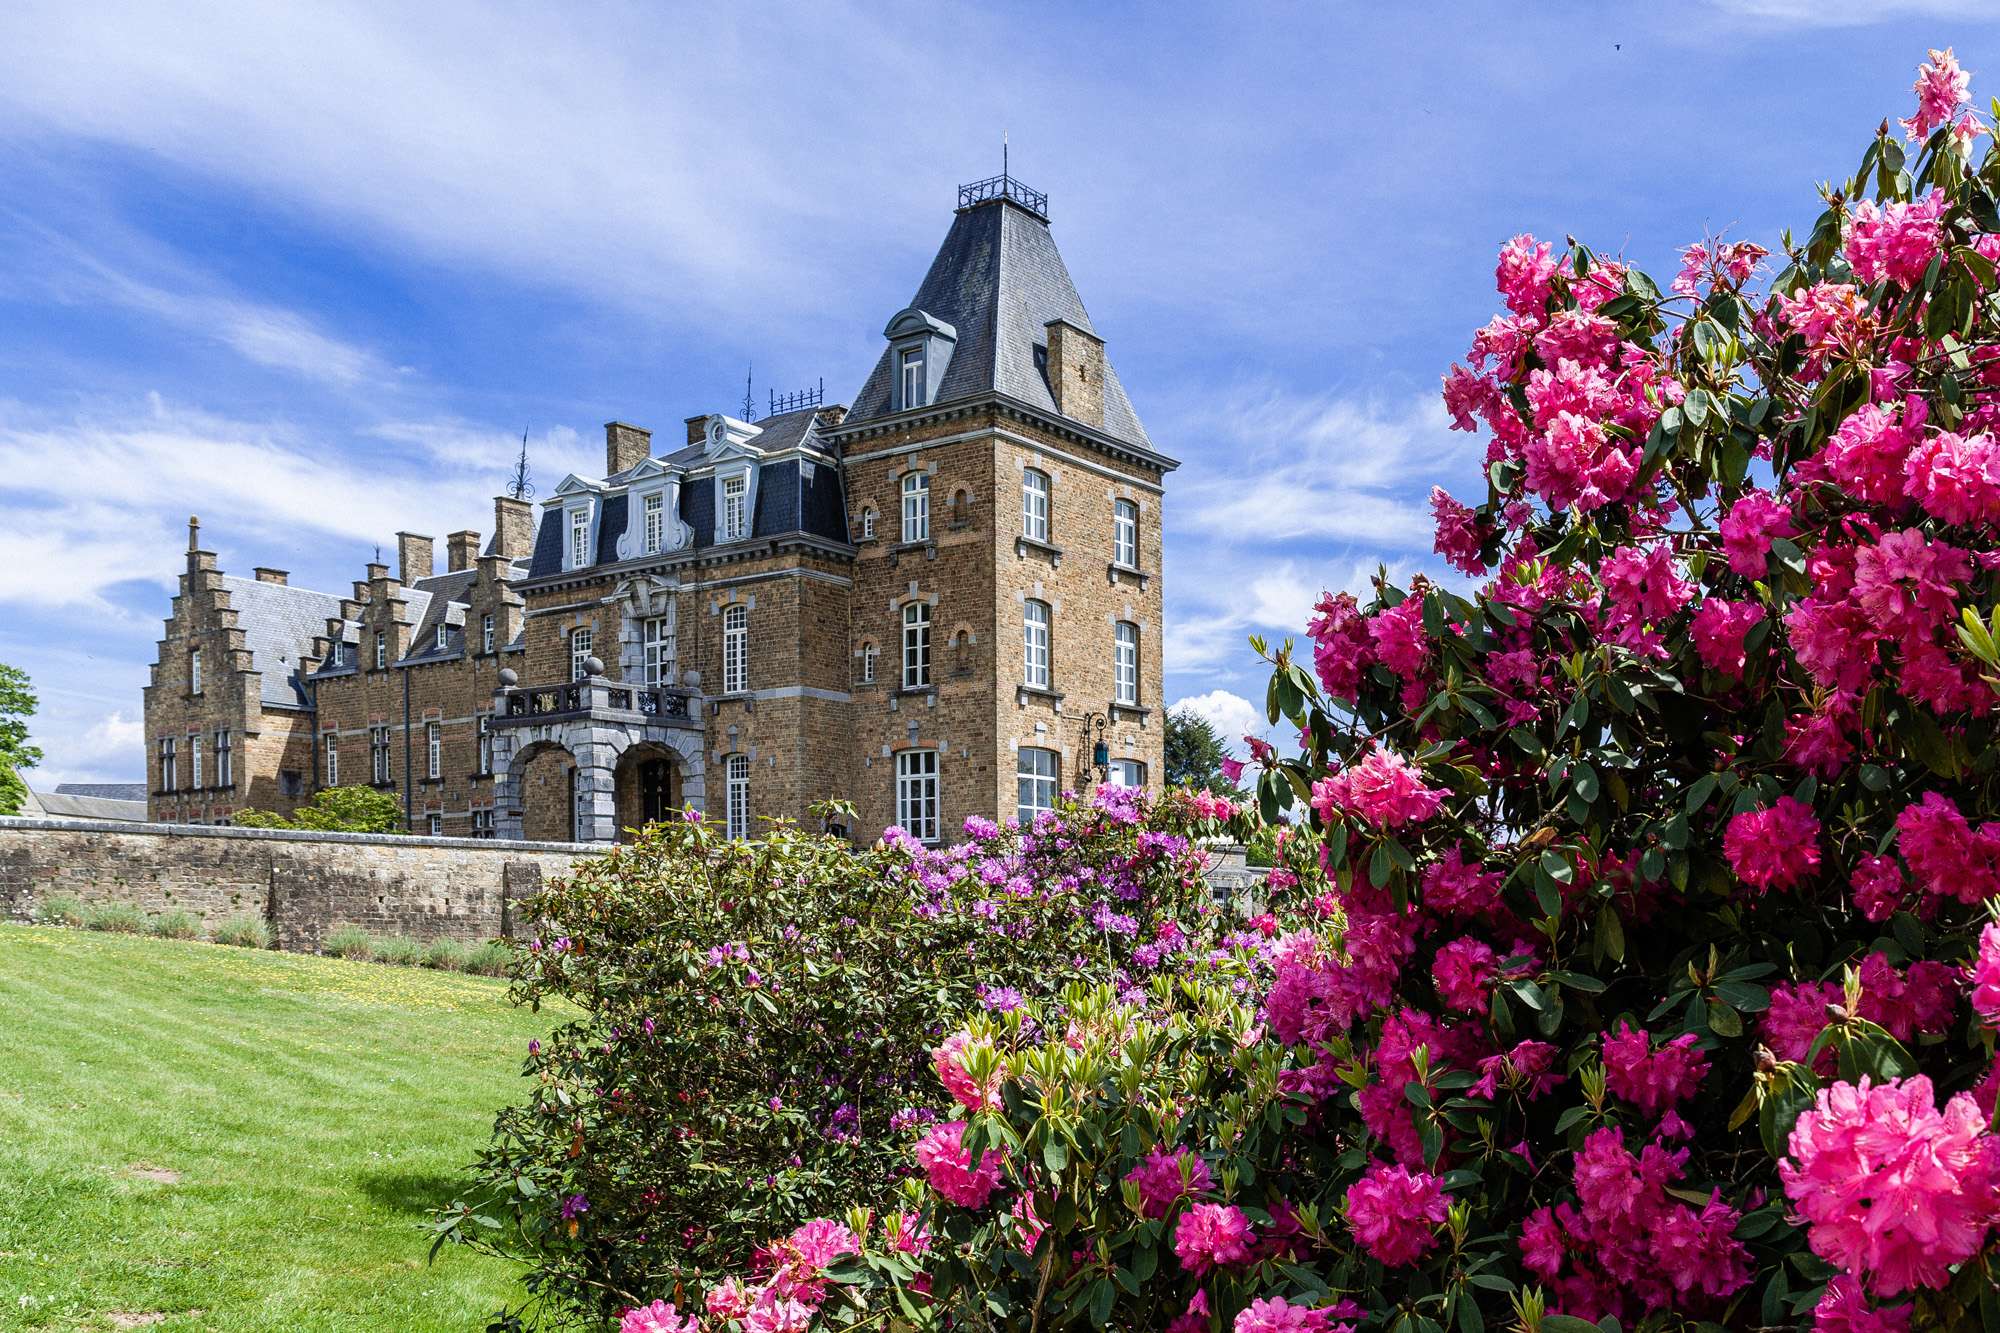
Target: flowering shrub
pixel 755 1047
pixel 1619 962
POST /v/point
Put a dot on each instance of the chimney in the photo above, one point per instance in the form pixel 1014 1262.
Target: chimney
pixel 625 447
pixel 270 575
pixel 513 527
pixel 461 549
pixel 1076 372
pixel 697 428
pixel 413 558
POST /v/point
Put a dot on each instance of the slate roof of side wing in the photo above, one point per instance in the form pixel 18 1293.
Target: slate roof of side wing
pixel 278 623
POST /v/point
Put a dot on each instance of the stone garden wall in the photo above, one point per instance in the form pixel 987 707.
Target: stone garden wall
pixel 303 884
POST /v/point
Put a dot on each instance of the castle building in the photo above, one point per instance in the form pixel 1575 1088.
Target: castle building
pixel 939 602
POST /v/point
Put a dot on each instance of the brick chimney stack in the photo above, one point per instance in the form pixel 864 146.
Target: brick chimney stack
pixel 413 558
pixel 697 429
pixel 1076 372
pixel 513 527
pixel 461 549
pixel 270 575
pixel 625 446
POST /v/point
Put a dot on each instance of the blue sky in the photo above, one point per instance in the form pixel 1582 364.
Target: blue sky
pixel 310 270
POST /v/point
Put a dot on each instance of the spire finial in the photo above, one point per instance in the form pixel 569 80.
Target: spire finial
pixel 520 487
pixel 1003 153
pixel 194 533
pixel 749 412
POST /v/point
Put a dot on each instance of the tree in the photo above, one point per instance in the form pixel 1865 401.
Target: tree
pixel 1195 751
pixel 17 705
pixel 334 810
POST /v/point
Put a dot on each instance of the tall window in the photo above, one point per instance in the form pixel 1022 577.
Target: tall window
pixel 916 794
pixel 916 645
pixel 736 649
pixel 868 652
pixel 1037 782
pixel 656 522
pixel 434 749
pixel 913 378
pixel 434 824
pixel 378 745
pixel 168 765
pixel 658 635
pixel 444 636
pixel 917 507
pixel 381 652
pixel 485 742
pixel 868 525
pixel 332 760
pixel 1127 773
pixel 482 823
pixel 1035 645
pixel 194 762
pixel 1125 534
pixel 579 652
pixel 734 526
pixel 224 776
pixel 1126 660
pixel 194 672
pixel 739 796
pixel 1035 505
pixel 486 633
pixel 579 538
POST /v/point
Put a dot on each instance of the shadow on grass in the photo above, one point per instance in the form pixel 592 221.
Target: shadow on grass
pixel 413 1192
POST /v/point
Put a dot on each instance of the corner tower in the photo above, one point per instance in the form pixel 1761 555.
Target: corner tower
pixel 1005 502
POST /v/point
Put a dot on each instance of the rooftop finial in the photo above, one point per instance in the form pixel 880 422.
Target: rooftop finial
pixel 749 411
pixel 520 487
pixel 194 533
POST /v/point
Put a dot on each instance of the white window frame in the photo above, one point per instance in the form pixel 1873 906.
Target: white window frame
pixel 332 759
pixel 737 766
pixel 485 742
pixel 194 762
pixel 917 793
pixel 735 497
pixel 656 522
pixel 868 654
pixel 443 636
pixel 868 524
pixel 434 824
pixel 1127 773
pixel 169 765
pixel 916 645
pixel 194 671
pixel 580 641
pixel 1037 773
pixel 916 507
pixel 579 538
pixel 1036 634
pixel 384 763
pixel 910 365
pixel 482 823
pixel 736 649
pixel 434 749
pixel 1125 662
pixel 656 638
pixel 1035 505
pixel 224 769
pixel 486 632
pixel 381 651
pixel 1125 534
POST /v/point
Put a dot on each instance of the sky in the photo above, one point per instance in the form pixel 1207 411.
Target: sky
pixel 311 271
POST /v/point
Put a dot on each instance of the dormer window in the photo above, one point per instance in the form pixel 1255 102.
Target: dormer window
pixel 656 523
pixel 579 538
pixel 913 378
pixel 734 526
pixel 444 637
pixel 920 347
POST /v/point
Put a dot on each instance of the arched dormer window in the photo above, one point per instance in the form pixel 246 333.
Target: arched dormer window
pixel 920 348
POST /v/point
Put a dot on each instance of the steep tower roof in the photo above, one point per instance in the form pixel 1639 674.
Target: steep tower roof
pixel 998 281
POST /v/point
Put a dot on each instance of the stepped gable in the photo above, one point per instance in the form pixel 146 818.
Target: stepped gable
pixel 998 280
pixel 279 623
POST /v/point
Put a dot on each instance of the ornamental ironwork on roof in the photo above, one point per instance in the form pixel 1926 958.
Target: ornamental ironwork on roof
pixel 1005 187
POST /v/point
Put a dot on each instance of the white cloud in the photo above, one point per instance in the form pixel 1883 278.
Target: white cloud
pixel 1232 716
pixel 114 745
pixel 1847 13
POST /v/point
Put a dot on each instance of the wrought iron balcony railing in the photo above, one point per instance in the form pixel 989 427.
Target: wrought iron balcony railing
pixel 524 705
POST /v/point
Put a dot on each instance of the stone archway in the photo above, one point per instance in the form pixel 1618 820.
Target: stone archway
pixel 595 749
pixel 648 784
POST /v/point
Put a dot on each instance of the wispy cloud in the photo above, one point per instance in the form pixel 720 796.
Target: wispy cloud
pixel 1848 13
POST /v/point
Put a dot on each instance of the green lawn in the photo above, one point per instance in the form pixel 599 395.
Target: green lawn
pixel 311 1109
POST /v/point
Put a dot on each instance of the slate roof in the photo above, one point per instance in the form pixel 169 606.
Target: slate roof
pixel 278 623
pixel 109 791
pixel 998 280
pixel 441 596
pixel 62 805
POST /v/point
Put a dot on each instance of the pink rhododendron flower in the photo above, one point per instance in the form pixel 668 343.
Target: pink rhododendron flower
pixel 1455 887
pixel 1195 1319
pixel 1828 315
pixel 1905 581
pixel 1464 969
pixel 1843 1308
pixel 1719 627
pixel 1275 1314
pixel 1400 641
pixel 1867 453
pixel 1526 266
pixel 1818 741
pixel 1212 1235
pixel 949 1060
pixel 775 1312
pixel 1730 262
pixel 1895 241
pixel 1384 788
pixel 1747 531
pixel 1458 534
pixel 1529 1067
pixel 821 1241
pixel 1833 641
pixel 1655 1080
pixel 728 1301
pixel 1941 89
pixel 1579 336
pixel 1395 1213
pixel 1573 462
pixel 1948 858
pixel 1985 976
pixel 950 1167
pixel 1342 645
pixel 1892 1190
pixel 1878 887
pixel 659 1317
pixel 1954 478
pixel 1161 1183
pixel 1643 584
pixel 1775 847
pixel 1921 998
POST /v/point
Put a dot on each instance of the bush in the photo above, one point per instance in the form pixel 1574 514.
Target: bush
pixel 447 955
pixel 348 942
pixel 335 810
pixel 759 1018
pixel 399 950
pixel 242 930
pixel 60 909
pixel 175 924
pixel 491 959
pixel 117 918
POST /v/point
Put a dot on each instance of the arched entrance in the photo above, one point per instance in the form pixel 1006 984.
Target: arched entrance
pixel 648 785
